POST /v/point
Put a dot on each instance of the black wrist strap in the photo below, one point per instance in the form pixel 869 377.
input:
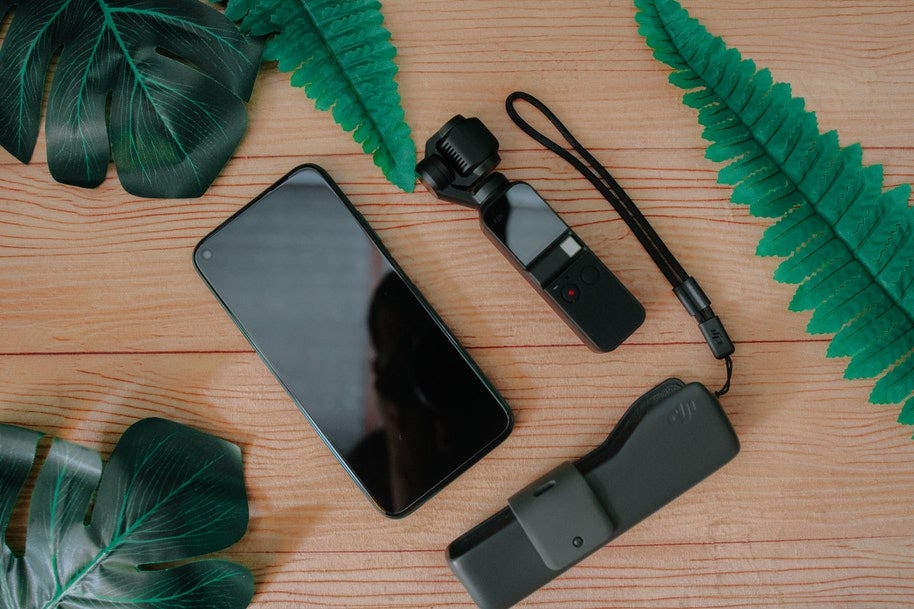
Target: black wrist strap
pixel 685 287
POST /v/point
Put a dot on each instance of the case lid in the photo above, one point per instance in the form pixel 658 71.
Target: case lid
pixel 562 517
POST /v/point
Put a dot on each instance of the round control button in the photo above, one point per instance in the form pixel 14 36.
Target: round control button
pixel 590 275
pixel 570 293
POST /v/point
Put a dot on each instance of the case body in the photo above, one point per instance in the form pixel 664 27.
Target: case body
pixel 669 440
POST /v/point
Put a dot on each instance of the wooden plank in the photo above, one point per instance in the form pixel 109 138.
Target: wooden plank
pixel 786 406
pixel 107 255
pixel 815 507
pixel 774 573
pixel 122 266
pixel 103 320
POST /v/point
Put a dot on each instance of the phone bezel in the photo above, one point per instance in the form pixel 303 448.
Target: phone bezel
pixel 376 240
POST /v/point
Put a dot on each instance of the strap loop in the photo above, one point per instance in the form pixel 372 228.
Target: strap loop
pixel 685 287
pixel 597 175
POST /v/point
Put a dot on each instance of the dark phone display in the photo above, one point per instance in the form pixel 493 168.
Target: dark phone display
pixel 351 343
pixel 524 222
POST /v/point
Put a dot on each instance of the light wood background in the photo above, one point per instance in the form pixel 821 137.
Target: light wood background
pixel 103 319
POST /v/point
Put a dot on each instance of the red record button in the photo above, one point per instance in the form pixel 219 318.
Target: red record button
pixel 570 293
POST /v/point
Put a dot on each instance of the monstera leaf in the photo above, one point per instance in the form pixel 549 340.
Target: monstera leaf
pixel 168 494
pixel 848 244
pixel 157 85
pixel 341 54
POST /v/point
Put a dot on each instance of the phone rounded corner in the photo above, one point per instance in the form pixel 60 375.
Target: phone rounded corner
pixel 197 253
pixel 509 426
pixel 394 514
pixel 640 313
pixel 313 167
pixel 399 514
pixel 503 435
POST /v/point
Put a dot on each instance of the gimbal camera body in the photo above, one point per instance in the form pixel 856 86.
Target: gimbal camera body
pixel 459 167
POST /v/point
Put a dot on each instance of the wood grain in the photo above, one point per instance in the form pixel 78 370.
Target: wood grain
pixel 103 320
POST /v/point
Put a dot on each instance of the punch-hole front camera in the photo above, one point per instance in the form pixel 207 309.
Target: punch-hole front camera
pixel 459 166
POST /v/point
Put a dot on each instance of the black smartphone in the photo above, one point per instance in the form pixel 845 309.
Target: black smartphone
pixel 362 354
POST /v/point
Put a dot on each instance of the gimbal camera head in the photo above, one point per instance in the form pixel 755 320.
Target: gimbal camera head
pixel 459 163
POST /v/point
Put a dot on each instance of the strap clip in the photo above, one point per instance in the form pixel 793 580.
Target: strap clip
pixel 562 517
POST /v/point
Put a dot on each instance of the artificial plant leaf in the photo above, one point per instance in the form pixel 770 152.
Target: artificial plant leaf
pixel 168 493
pixel 175 74
pixel 848 244
pixel 907 413
pixel 340 53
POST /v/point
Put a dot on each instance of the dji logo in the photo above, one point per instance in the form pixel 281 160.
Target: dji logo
pixel 682 413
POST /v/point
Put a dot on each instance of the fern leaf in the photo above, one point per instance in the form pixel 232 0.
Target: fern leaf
pixel 848 245
pixel 907 413
pixel 340 53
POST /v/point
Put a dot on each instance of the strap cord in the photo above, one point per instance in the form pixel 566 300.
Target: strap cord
pixel 723 390
pixel 684 286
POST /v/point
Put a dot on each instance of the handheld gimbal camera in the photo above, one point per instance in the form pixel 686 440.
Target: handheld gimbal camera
pixel 459 167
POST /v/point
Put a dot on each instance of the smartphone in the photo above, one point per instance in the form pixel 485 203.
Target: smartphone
pixel 362 354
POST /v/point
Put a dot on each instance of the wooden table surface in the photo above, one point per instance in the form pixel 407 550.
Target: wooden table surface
pixel 103 320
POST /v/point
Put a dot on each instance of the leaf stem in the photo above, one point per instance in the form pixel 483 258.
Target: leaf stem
pixel 61 593
pixel 108 12
pixel 118 539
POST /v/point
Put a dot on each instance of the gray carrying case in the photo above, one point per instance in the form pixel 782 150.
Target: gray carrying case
pixel 669 440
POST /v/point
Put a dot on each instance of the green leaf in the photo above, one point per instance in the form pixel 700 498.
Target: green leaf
pixel 848 244
pixel 169 493
pixel 174 73
pixel 907 413
pixel 896 385
pixel 341 54
pixel 877 356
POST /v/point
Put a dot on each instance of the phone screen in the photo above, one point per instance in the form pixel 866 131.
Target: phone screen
pixel 376 372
